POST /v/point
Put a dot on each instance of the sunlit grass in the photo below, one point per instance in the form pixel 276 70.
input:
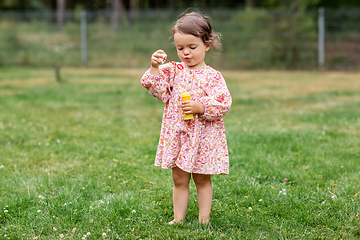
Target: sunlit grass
pixel 76 159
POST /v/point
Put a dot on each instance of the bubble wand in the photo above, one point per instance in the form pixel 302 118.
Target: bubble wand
pixel 179 66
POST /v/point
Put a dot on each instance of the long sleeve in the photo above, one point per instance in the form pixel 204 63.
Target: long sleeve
pixel 160 86
pixel 218 100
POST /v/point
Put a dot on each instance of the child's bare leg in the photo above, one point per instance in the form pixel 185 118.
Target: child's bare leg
pixel 204 195
pixel 180 193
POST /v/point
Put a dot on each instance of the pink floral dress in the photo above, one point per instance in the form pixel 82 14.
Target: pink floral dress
pixel 198 145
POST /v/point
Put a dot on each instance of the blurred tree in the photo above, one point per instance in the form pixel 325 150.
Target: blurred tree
pixel 22 5
pixel 61 5
pixel 115 14
pixel 250 3
pixel 128 4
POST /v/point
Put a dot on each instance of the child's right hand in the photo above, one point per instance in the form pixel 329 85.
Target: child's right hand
pixel 157 58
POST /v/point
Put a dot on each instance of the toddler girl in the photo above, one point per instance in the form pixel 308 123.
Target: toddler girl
pixel 195 147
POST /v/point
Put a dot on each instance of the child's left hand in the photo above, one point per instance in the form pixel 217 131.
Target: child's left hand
pixel 192 107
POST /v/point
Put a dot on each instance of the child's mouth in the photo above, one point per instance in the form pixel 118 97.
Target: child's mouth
pixel 187 59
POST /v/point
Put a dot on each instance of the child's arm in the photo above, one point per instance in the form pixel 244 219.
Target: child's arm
pixel 157 79
pixel 218 100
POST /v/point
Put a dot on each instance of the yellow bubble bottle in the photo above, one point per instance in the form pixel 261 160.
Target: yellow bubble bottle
pixel 186 97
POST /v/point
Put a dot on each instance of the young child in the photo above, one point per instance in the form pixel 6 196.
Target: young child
pixel 195 147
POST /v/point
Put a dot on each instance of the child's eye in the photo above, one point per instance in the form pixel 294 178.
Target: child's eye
pixel 180 48
pixel 192 48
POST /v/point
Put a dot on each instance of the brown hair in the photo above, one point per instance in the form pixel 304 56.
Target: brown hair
pixel 199 26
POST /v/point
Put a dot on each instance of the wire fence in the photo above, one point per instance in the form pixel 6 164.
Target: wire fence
pixel 251 38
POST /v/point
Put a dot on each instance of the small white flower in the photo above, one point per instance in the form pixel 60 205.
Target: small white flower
pixel 38 211
pixel 54 229
pixel 101 201
pixel 35 237
pixel 323 202
pixel 5 211
pixel 250 209
pixel 333 197
pixel 133 211
pixel 83 238
pixel 109 176
pixel 65 204
pixel 108 230
pixel 74 229
pixel 2 166
pixel 88 233
pixel 104 234
pixel 284 192
pixel 42 197
pixel 61 235
pixel 260 200
pixel 58 140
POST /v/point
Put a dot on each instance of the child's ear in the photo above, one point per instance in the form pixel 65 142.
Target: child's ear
pixel 207 48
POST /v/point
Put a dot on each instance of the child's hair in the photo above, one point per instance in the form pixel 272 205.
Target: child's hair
pixel 199 26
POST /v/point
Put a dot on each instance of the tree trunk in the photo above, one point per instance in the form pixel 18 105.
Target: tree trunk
pixel 250 3
pixel 61 4
pixel 172 4
pixel 115 15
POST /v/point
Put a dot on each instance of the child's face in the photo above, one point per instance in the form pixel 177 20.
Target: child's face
pixel 191 50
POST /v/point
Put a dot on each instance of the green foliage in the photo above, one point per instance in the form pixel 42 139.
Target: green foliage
pixel 251 39
pixel 77 158
pixel 278 39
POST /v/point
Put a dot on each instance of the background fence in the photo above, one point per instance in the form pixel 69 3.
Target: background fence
pixel 251 38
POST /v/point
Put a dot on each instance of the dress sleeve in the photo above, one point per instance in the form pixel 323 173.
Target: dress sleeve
pixel 218 100
pixel 160 86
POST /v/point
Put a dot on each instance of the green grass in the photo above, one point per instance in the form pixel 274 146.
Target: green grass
pixel 80 155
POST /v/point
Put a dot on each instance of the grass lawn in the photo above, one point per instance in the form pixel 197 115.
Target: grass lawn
pixel 76 158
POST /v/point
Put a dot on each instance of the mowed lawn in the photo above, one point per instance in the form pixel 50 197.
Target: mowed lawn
pixel 76 158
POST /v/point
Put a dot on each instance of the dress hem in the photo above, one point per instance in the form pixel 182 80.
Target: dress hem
pixel 216 173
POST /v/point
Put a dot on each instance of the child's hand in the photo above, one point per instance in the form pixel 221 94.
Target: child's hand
pixel 156 60
pixel 192 107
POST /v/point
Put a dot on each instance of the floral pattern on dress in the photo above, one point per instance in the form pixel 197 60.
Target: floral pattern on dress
pixel 198 145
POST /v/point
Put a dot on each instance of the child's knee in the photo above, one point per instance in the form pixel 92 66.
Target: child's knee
pixel 202 179
pixel 181 178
